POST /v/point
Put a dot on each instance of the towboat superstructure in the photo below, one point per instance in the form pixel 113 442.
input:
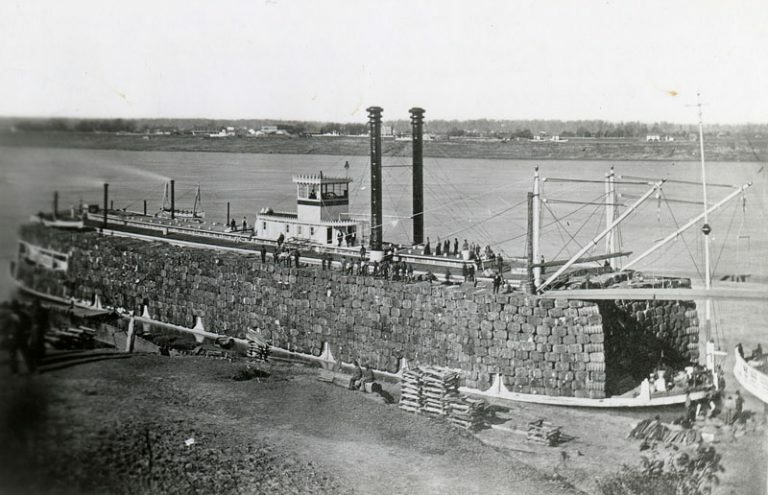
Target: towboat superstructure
pixel 321 217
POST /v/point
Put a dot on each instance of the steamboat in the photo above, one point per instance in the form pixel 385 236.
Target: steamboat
pixel 560 341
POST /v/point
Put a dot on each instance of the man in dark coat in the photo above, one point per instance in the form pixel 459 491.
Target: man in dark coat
pixel 18 326
pixel 357 376
pixel 40 323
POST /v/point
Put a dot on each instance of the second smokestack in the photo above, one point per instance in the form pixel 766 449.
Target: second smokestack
pixel 417 131
pixel 374 121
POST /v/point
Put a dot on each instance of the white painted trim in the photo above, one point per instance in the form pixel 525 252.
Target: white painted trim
pixel 497 390
pixel 753 381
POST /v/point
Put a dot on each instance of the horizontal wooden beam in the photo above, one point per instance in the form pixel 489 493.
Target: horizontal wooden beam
pixel 680 294
pixel 587 259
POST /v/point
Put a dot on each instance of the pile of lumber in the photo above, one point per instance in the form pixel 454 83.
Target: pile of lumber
pixel 70 338
pixel 410 391
pixel 435 391
pixel 467 413
pixel 439 388
pixel 653 430
pixel 543 432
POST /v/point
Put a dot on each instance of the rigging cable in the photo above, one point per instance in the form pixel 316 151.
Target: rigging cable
pixel 559 224
pixel 677 225
pixel 513 238
pixel 722 248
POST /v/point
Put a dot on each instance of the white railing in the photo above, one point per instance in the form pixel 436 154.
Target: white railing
pixel 180 229
pixel 755 381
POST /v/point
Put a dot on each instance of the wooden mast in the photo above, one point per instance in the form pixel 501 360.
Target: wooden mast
pixel 536 228
pixel 705 228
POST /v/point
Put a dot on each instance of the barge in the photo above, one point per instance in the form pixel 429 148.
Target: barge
pixel 524 343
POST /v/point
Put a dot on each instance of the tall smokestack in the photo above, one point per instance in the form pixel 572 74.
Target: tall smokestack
pixel 173 199
pixel 417 130
pixel 374 120
pixel 106 202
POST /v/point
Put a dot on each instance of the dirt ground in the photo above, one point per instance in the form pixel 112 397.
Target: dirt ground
pixel 122 426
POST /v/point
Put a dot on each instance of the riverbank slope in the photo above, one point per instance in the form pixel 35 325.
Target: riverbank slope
pixel 725 149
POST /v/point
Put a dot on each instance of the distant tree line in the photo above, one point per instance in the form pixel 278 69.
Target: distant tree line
pixel 574 128
pixel 501 129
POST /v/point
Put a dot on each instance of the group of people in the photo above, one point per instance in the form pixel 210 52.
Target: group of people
pixel 233 225
pixel 731 408
pixel 386 269
pixel 446 248
pixel 23 334
pixel 349 239
pixel 288 256
pixel 392 267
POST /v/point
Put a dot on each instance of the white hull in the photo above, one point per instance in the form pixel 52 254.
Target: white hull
pixel 752 379
pixel 59 223
pixel 497 390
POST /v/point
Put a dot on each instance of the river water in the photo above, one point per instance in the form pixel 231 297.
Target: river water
pixel 483 201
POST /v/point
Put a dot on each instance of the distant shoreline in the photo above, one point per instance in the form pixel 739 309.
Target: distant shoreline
pixel 732 149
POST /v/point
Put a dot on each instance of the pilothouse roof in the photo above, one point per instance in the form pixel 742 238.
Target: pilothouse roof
pixel 320 179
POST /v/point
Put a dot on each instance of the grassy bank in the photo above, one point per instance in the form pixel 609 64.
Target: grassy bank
pixel 721 149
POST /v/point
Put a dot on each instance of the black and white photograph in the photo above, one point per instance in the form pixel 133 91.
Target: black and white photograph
pixel 384 247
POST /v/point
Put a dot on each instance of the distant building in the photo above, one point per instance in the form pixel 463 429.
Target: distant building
pixel 669 139
pixel 652 138
pixel 224 132
pixel 203 132
pixel 269 129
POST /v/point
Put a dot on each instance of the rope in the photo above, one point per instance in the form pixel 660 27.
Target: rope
pixel 677 225
pixel 513 238
pixel 727 234
pixel 561 226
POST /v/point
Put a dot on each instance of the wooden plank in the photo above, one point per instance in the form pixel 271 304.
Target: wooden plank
pixel 661 294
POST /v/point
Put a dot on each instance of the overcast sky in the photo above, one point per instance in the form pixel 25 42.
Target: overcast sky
pixel 329 60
